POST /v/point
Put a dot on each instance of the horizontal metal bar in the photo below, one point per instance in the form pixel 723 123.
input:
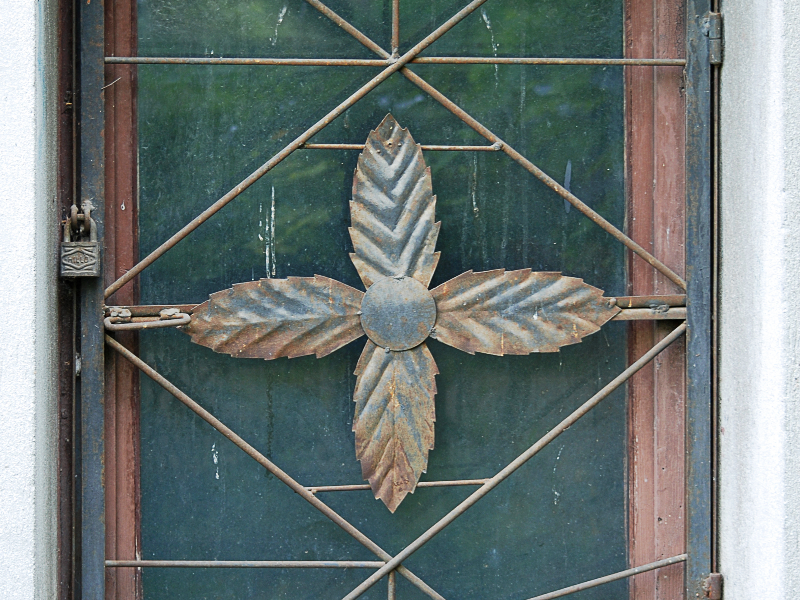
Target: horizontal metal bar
pixel 651 314
pixel 249 564
pixel 376 62
pixel 180 319
pixel 150 310
pixel 565 424
pixel 208 60
pixel 650 301
pixel 422 484
pixel 154 310
pixel 609 578
pixel 492 148
pixel 267 464
pixel 501 60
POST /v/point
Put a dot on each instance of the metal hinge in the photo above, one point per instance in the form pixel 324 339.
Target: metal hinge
pixel 712 586
pixel 712 27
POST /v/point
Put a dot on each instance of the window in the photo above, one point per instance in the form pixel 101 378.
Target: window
pixel 624 486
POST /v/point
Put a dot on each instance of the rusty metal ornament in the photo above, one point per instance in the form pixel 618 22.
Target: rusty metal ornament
pixel 394 234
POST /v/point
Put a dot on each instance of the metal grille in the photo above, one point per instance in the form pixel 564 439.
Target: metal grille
pixel 140 317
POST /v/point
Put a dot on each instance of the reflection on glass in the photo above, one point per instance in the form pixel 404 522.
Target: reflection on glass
pixel 202 129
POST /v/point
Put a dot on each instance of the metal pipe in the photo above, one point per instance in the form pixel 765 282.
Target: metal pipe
pixel 207 60
pixel 516 156
pixel 609 578
pixel 651 314
pixel 430 148
pixel 517 462
pixel 267 464
pixel 395 27
pixel 367 62
pixel 650 301
pixel 302 139
pixel 248 564
pixel 179 320
pixel 392 586
pixel 422 484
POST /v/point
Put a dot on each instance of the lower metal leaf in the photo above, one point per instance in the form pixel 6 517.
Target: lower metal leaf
pixel 394 419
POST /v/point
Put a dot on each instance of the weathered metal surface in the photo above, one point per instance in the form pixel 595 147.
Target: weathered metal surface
pixel 517 312
pixel 393 208
pixel 90 442
pixel 270 466
pixel 272 318
pixel 80 250
pixel 394 419
pixel 699 236
pixel 556 431
pixel 398 313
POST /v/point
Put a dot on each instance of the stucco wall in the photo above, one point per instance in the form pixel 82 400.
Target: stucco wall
pixel 760 314
pixel 27 319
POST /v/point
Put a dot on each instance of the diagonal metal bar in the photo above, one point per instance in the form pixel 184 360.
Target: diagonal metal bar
pixel 302 139
pixel 269 465
pixel 516 156
pixel 518 462
pixel 613 577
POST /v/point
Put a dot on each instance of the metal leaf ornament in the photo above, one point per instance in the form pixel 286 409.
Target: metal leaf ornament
pixel 394 234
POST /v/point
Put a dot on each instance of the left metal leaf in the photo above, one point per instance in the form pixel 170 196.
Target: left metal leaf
pixel 394 419
pixel 272 318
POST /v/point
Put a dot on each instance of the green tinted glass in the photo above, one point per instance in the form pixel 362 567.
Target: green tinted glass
pixel 558 520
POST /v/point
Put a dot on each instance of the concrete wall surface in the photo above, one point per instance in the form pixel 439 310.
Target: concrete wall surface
pixel 27 307
pixel 760 306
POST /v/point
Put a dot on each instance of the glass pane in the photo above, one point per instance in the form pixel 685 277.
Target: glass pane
pixel 561 518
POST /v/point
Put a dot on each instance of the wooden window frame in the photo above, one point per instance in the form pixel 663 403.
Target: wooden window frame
pixel 668 158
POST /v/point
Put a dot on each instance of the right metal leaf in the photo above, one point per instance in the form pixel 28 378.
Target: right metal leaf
pixel 517 312
pixel 393 208
pixel 394 419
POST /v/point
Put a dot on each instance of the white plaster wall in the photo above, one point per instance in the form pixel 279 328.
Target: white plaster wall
pixel 27 320
pixel 760 307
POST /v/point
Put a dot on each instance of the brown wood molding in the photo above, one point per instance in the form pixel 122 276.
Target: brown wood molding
pixel 123 531
pixel 656 210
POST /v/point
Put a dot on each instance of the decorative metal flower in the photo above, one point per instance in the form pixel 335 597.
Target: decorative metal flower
pixel 394 236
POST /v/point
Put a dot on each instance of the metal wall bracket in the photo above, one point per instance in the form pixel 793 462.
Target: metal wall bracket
pixel 712 586
pixel 712 27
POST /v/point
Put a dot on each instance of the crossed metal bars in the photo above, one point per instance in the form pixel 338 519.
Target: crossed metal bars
pixel 394 563
pixel 394 63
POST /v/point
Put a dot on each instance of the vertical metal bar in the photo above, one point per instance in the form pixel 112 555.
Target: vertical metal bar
pixel 395 27
pixel 699 300
pixel 90 390
pixel 392 583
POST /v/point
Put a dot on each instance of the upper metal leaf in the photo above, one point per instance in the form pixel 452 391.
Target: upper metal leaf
pixel 271 318
pixel 393 208
pixel 394 418
pixel 517 312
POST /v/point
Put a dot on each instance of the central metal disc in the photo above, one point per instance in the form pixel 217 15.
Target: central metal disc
pixel 398 313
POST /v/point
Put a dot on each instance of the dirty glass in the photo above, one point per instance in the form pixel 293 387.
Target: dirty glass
pixel 560 519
